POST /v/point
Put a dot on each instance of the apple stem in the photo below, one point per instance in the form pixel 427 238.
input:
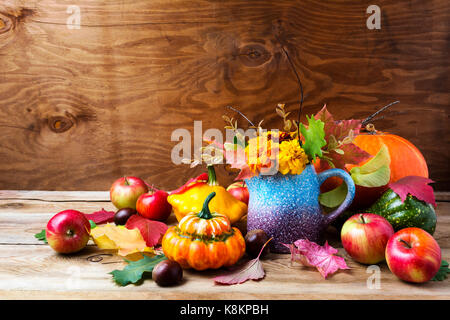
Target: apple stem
pixel 126 181
pixel 361 216
pixel 405 243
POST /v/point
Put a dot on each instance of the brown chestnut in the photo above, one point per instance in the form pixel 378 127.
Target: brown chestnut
pixel 121 217
pixel 254 241
pixel 167 273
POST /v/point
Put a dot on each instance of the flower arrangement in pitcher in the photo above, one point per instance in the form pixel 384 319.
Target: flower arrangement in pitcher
pixel 288 151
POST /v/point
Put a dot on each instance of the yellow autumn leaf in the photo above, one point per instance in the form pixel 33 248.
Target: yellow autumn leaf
pixel 127 242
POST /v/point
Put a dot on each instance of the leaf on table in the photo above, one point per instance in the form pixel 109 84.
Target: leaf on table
pixel 41 236
pixel 134 271
pixel 125 241
pixel 416 186
pixel 152 231
pixel 442 273
pixel 311 254
pixel 100 217
pixel 250 270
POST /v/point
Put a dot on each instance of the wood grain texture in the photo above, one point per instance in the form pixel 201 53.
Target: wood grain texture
pixel 82 107
pixel 30 269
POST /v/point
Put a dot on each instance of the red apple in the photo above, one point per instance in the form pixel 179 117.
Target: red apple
pixel 413 255
pixel 68 231
pixel 125 192
pixel 239 191
pixel 364 236
pixel 153 205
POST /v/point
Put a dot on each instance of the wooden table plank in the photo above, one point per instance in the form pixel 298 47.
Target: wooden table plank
pixel 31 270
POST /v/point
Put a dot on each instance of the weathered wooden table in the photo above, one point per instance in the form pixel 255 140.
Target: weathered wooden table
pixel 30 269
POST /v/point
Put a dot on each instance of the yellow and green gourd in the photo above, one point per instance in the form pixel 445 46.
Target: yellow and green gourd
pixel 410 213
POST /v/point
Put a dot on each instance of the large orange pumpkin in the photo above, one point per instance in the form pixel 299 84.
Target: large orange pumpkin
pixel 406 160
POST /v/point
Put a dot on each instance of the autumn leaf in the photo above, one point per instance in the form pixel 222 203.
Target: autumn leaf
pixel 339 136
pixel 202 178
pixel 250 270
pixel 152 231
pixel 348 154
pixel 134 271
pixel 100 217
pixel 416 186
pixel 311 254
pixel 125 241
pixel 340 128
pixel 314 137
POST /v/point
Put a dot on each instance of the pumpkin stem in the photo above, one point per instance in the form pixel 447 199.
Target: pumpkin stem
pixel 370 128
pixel 205 213
pixel 212 180
pixel 366 120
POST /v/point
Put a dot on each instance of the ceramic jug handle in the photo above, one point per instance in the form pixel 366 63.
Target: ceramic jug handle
pixel 330 217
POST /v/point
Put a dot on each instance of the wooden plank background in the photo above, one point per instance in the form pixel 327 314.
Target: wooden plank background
pixel 82 107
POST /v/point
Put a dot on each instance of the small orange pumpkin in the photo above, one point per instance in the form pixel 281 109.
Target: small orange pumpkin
pixel 204 240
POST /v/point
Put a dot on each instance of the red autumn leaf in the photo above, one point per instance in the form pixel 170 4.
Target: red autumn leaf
pixel 311 254
pixel 250 270
pixel 101 216
pixel 352 155
pixel 415 186
pixel 203 178
pixel 152 231
pixel 340 129
pixel 245 173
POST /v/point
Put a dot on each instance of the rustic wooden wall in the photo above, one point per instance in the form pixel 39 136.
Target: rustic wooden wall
pixel 81 107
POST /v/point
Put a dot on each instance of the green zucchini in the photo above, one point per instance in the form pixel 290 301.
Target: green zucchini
pixel 411 213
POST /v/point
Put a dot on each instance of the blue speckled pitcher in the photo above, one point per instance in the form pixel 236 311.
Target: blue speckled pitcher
pixel 287 207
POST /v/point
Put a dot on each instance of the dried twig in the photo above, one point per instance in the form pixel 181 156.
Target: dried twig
pixel 369 118
pixel 242 115
pixel 291 64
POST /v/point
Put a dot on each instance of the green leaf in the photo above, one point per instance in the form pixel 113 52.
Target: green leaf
pixel 134 271
pixel 375 179
pixel 41 236
pixel 92 223
pixel 376 172
pixel 441 275
pixel 382 158
pixel 334 197
pixel 314 137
